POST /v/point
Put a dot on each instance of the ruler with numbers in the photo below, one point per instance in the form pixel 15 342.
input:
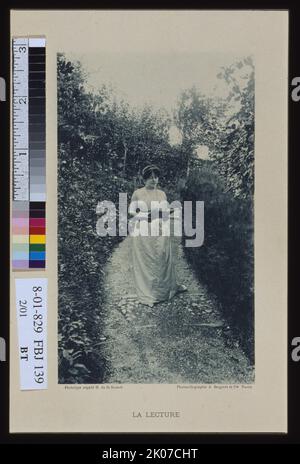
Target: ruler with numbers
pixel 29 153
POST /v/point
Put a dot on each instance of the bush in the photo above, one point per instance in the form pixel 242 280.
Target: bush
pixel 82 257
pixel 225 262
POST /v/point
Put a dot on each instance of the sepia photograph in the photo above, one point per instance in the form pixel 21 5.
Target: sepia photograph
pixel 156 218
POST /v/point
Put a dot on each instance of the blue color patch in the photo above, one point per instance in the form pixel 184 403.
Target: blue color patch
pixel 37 255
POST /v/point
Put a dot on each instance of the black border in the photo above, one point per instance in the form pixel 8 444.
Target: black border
pixel 131 440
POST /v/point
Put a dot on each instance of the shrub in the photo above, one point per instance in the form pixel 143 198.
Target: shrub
pixel 225 262
pixel 82 258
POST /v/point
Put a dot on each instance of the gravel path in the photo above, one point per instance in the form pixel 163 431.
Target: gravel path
pixel 184 340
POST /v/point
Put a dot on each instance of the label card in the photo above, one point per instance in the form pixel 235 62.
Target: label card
pixel 31 306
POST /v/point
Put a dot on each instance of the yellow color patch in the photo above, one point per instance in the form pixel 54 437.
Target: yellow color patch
pixel 37 239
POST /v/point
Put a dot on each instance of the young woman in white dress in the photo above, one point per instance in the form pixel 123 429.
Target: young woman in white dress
pixel 152 256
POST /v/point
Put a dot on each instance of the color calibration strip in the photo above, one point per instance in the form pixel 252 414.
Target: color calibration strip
pixel 29 154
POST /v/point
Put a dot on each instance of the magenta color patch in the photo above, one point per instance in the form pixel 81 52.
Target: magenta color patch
pixel 37 222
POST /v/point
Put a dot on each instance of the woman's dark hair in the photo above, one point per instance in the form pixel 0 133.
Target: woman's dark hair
pixel 147 171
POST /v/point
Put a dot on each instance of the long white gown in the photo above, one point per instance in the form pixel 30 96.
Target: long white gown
pixel 153 258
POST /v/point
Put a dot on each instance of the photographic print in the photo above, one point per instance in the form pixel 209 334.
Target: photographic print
pixel 166 214
pixel 155 217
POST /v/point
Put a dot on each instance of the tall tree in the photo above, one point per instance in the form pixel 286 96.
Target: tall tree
pixel 235 155
pixel 225 125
